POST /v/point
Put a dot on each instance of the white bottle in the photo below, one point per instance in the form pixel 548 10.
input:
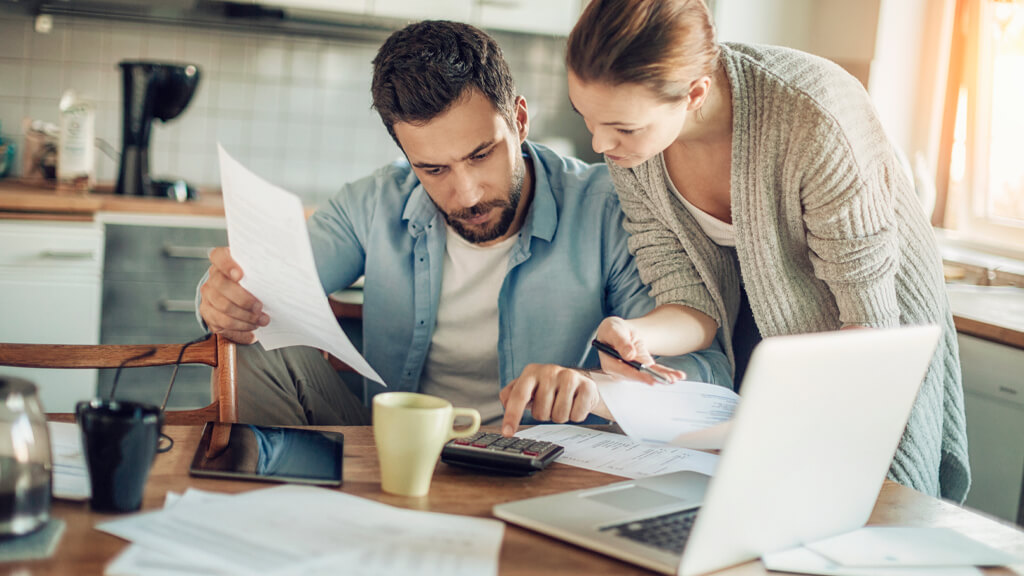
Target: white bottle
pixel 76 153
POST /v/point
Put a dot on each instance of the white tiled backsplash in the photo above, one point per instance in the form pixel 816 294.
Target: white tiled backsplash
pixel 295 110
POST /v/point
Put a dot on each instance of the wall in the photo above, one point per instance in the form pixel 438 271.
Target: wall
pixel 296 110
pixel 839 30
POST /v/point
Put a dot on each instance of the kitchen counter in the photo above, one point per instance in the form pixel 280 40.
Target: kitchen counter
pixel 994 313
pixel 19 200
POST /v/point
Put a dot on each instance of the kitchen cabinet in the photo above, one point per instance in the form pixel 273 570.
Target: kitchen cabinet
pixel 528 16
pixel 457 10
pixel 153 265
pixel 532 16
pixel 50 274
pixel 994 402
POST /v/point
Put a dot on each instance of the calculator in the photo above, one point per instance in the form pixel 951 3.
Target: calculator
pixel 495 453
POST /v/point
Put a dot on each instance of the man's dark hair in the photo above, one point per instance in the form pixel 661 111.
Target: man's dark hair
pixel 424 68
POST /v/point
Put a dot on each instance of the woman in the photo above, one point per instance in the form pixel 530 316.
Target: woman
pixel 761 175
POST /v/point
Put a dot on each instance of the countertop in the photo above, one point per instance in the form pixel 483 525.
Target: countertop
pixel 993 313
pixel 22 200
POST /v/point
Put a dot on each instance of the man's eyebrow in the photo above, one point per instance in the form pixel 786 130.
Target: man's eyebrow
pixel 479 149
pixel 475 151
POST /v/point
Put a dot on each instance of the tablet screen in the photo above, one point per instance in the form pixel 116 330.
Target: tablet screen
pixel 269 453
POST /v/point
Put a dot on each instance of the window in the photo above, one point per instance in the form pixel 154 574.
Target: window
pixel 984 138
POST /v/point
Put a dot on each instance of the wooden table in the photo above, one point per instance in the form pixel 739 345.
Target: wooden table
pixel 84 550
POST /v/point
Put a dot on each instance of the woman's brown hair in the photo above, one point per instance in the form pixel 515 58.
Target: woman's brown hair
pixel 663 45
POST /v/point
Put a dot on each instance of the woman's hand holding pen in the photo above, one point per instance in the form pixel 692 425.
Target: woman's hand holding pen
pixel 625 339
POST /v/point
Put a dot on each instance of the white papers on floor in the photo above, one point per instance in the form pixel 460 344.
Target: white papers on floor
pixel 291 530
pixel 689 414
pixel 891 551
pixel 269 240
pixel 70 474
pixel 617 454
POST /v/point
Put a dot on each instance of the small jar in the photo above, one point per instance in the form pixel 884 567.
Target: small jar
pixel 25 462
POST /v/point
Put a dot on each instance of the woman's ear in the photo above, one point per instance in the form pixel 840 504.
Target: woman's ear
pixel 698 93
pixel 522 119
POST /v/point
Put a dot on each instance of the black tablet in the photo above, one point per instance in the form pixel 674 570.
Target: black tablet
pixel 242 451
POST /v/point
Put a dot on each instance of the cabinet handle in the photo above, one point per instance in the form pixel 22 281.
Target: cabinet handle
pixel 68 254
pixel 178 306
pixel 1008 390
pixel 187 252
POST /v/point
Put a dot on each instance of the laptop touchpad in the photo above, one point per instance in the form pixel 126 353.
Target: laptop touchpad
pixel 634 498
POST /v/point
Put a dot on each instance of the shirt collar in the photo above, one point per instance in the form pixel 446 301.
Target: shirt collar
pixel 540 222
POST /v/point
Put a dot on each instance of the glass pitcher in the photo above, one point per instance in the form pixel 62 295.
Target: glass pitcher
pixel 25 463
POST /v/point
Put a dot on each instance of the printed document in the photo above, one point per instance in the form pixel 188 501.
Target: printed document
pixel 300 530
pixel 269 240
pixel 617 454
pixel 70 473
pixel 689 414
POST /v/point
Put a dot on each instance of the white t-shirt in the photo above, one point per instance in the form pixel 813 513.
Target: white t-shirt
pixel 462 363
pixel 719 231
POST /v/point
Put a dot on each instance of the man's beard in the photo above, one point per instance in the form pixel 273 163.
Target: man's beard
pixel 508 208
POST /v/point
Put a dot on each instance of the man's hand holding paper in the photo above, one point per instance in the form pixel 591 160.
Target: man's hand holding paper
pixel 227 308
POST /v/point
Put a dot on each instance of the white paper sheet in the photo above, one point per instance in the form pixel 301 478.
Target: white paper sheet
pixel 901 546
pixel 70 473
pixel 803 561
pixel 289 530
pixel 137 560
pixel 269 240
pixel 617 454
pixel 668 412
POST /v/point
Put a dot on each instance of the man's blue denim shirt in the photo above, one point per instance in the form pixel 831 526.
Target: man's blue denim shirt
pixel 569 269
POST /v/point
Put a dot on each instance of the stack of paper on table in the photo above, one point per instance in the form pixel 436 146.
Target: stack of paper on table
pixel 891 551
pixel 688 414
pixel 305 530
pixel 70 474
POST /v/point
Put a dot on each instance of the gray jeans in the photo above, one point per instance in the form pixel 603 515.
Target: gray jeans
pixel 293 386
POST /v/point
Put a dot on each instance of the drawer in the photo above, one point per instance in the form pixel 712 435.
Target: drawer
pixel 64 248
pixel 158 253
pixel 991 369
pixel 165 310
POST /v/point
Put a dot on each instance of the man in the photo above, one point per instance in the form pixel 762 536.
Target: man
pixel 489 261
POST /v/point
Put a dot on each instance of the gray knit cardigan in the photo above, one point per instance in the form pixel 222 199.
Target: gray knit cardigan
pixel 828 233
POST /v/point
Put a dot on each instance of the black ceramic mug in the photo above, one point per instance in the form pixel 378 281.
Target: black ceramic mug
pixel 120 441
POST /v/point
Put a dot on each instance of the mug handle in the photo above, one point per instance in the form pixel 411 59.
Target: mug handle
pixel 469 430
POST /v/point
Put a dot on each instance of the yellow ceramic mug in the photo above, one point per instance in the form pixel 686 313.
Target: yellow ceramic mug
pixel 410 429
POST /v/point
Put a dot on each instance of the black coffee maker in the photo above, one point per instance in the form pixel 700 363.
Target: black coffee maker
pixel 151 90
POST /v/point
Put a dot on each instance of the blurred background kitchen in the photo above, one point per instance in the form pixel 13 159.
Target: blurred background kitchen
pixel 288 97
pixel 284 86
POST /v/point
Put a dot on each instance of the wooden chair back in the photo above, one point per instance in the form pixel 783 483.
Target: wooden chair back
pixel 215 351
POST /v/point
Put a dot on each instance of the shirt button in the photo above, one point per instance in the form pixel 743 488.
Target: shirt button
pixel 421 259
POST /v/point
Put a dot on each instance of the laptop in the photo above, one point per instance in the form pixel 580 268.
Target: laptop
pixel 812 439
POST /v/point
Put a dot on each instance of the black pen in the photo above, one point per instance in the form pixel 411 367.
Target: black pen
pixel 615 354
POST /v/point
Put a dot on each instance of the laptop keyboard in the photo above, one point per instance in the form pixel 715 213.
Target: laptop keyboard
pixel 668 532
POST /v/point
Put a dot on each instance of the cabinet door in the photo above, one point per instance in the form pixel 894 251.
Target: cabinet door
pixel 50 294
pixel 533 16
pixel 458 10
pixel 995 424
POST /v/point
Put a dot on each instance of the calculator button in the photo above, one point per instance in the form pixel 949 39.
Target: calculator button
pixel 484 442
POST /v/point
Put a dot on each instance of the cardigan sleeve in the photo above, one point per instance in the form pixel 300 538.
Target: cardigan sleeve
pixel 847 194
pixel 661 258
